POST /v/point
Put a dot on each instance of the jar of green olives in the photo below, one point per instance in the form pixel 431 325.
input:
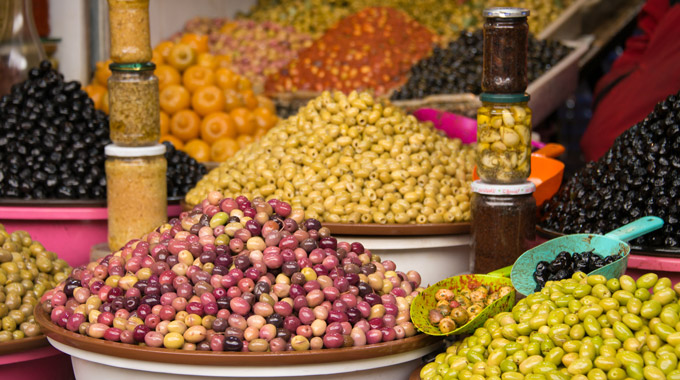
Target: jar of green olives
pixel 503 223
pixel 504 138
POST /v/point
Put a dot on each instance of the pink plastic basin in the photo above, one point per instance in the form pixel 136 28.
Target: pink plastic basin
pixel 38 364
pixel 663 266
pixel 70 232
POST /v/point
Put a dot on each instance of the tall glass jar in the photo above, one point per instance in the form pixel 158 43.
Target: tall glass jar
pixel 129 31
pixel 506 40
pixel 504 138
pixel 20 47
pixel 136 192
pixel 134 111
pixel 503 223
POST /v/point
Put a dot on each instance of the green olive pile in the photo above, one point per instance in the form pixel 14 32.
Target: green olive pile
pixel 454 310
pixel 27 270
pixel 352 159
pixel 580 328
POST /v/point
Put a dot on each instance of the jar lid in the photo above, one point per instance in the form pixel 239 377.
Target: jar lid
pixel 506 12
pixel 481 187
pixel 114 150
pixel 504 98
pixel 144 66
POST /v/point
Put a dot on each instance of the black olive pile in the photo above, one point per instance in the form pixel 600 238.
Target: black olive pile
pixel 52 143
pixel 183 171
pixel 566 264
pixel 638 176
pixel 458 67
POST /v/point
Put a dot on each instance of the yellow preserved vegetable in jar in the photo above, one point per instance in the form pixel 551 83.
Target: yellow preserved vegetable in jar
pixel 504 138
pixel 129 31
pixel 134 111
pixel 136 192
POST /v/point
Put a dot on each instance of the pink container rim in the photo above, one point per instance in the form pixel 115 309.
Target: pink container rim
pixel 53 213
pixel 63 213
pixel 654 263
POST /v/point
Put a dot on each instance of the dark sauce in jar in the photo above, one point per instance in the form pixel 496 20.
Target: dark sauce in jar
pixel 506 40
pixel 503 224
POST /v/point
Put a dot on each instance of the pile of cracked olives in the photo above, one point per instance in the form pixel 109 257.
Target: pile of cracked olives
pixel 638 176
pixel 456 309
pixel 27 270
pixel 352 159
pixel 52 143
pixel 582 328
pixel 238 275
pixel 183 171
pixel 566 264
pixel 457 68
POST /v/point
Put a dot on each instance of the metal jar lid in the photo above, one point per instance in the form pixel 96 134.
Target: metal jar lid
pixel 481 187
pixel 144 66
pixel 504 98
pixel 506 12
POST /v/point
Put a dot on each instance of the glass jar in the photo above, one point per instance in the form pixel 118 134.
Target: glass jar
pixel 134 111
pixel 504 138
pixel 136 192
pixel 129 31
pixel 20 47
pixel 503 223
pixel 506 40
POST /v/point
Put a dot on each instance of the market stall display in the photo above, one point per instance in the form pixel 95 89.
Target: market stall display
pixel 589 331
pixel 27 271
pixel 371 49
pixel 386 168
pixel 446 18
pixel 243 41
pixel 638 176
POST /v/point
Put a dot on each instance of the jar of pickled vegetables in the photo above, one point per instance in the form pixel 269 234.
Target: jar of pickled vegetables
pixel 506 40
pixel 129 31
pixel 134 111
pixel 504 138
pixel 136 192
pixel 503 223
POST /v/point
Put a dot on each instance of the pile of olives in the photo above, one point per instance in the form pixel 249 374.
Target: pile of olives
pixel 352 159
pixel 235 274
pixel 454 310
pixel 52 143
pixel 584 327
pixel 27 271
pixel 638 176
pixel 457 68
pixel 566 264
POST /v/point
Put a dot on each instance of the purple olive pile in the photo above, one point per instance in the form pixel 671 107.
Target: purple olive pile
pixel 238 275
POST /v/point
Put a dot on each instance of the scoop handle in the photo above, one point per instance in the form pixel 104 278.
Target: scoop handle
pixel 637 228
pixel 552 150
pixel 503 272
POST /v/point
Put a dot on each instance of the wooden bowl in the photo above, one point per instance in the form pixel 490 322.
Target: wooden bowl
pixel 210 358
pixel 25 344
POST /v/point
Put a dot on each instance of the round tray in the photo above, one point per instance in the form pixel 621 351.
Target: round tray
pixel 375 229
pixel 638 250
pixel 210 358
pixel 19 345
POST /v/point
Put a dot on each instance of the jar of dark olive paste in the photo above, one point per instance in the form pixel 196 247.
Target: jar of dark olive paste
pixel 504 138
pixel 506 40
pixel 134 112
pixel 129 31
pixel 503 224
pixel 136 192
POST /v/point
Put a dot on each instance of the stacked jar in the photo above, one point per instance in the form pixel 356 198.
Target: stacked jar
pixel 135 162
pixel 503 218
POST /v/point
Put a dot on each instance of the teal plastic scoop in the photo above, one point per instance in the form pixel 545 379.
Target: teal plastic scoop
pixel 615 242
